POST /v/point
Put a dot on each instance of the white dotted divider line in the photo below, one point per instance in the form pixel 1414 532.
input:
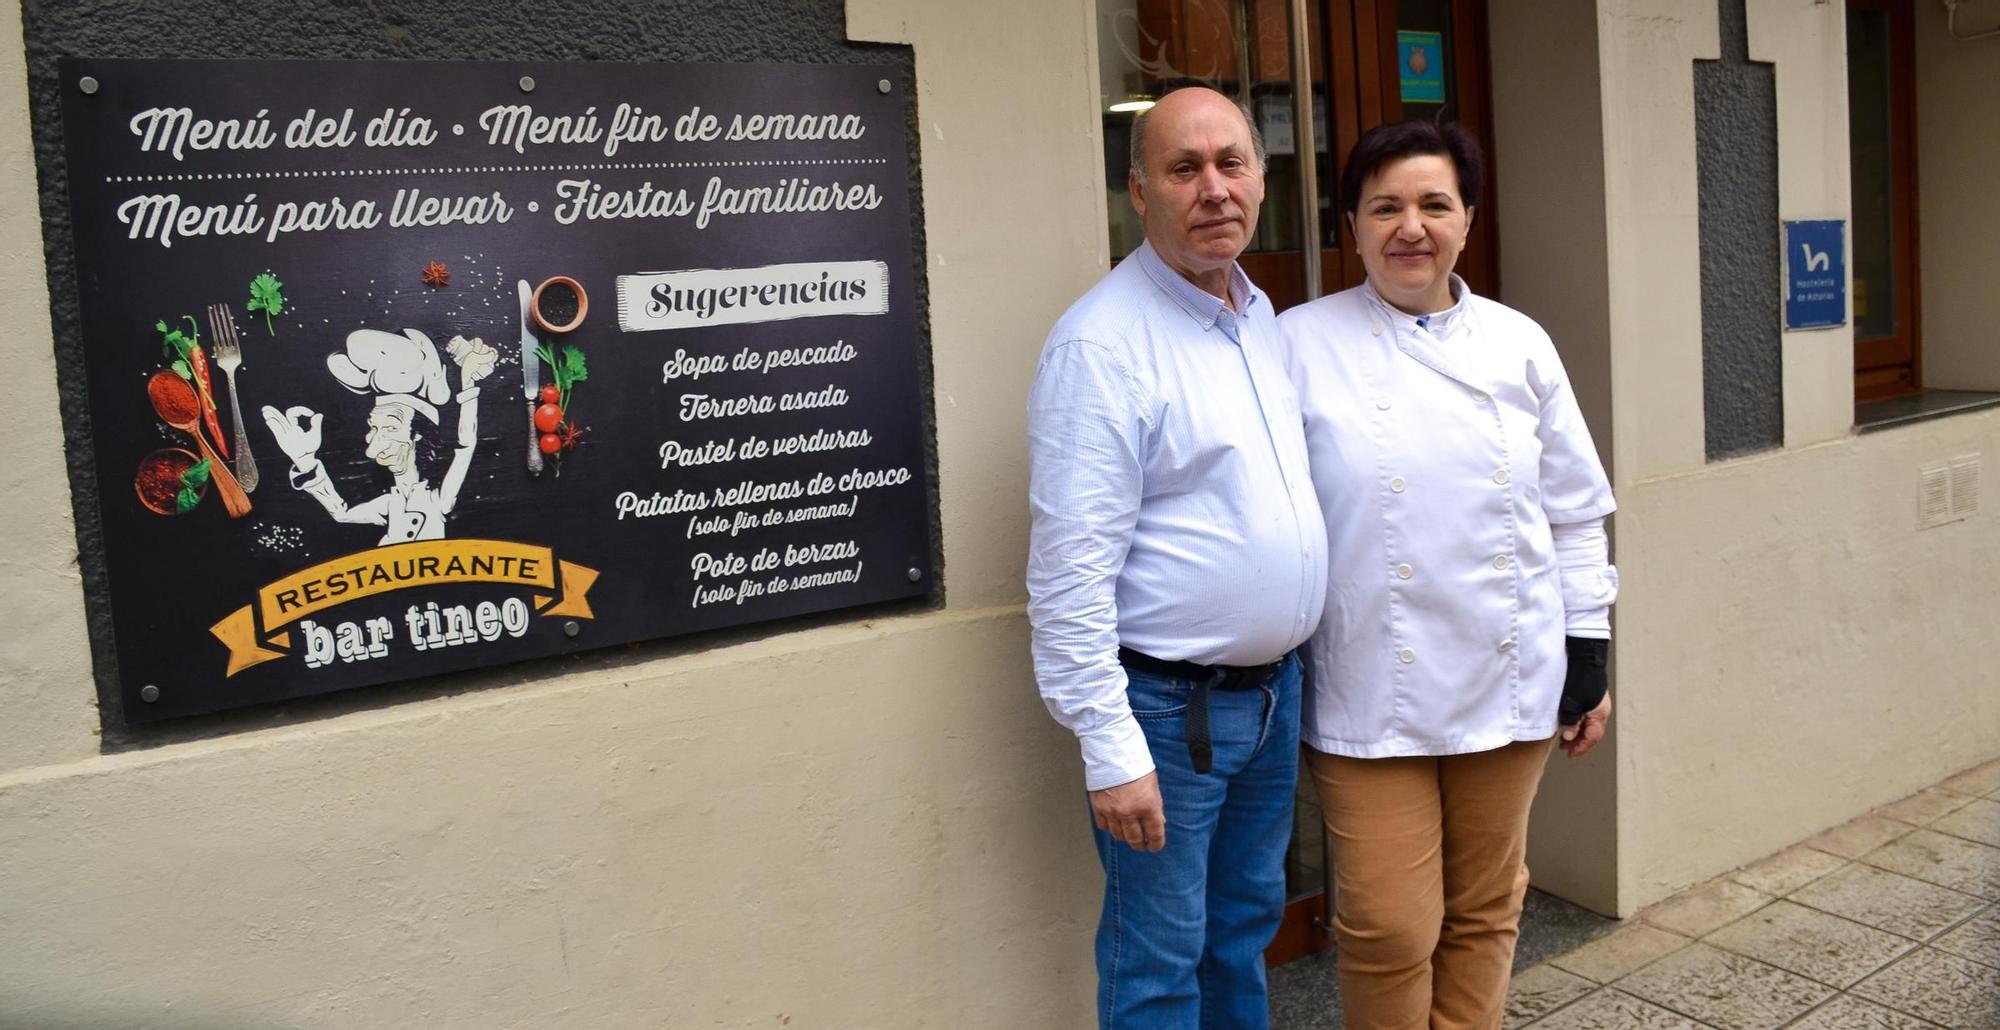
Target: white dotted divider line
pixel 335 173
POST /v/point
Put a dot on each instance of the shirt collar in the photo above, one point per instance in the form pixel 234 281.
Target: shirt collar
pixel 1204 307
pixel 1437 323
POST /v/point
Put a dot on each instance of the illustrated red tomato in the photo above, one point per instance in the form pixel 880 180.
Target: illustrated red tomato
pixel 547 418
pixel 550 443
pixel 551 393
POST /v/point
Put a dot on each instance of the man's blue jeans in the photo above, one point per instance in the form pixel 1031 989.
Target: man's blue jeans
pixel 1181 941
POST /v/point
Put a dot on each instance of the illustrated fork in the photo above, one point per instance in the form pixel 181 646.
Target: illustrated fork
pixel 229 358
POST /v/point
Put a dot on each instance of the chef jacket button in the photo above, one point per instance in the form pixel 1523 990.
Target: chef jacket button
pixel 1500 561
pixel 1479 395
pixel 1396 485
pixel 1382 403
pixel 1506 646
pixel 1404 571
pixel 1406 656
pixel 1501 477
pixel 1376 328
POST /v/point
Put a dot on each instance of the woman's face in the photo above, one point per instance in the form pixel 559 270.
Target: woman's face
pixel 1410 226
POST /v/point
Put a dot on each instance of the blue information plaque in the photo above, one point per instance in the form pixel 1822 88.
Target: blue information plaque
pixel 1420 64
pixel 1815 274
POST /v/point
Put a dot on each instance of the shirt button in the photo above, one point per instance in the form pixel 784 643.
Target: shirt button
pixel 1376 328
pixel 1382 403
pixel 1404 571
pixel 1406 656
pixel 1506 646
pixel 1396 485
pixel 1500 561
pixel 1478 395
pixel 1501 477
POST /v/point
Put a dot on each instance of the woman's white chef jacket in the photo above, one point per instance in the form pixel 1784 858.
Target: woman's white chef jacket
pixel 1442 453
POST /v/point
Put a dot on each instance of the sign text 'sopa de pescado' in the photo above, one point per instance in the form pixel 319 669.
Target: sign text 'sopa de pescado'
pixel 416 367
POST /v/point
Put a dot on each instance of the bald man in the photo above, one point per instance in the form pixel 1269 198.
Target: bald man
pixel 1177 559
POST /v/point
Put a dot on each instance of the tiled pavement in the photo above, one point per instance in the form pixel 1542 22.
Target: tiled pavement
pixel 1891 921
pixel 1888 921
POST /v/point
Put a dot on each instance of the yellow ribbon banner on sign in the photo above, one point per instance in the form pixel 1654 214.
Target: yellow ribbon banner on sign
pixel 253 632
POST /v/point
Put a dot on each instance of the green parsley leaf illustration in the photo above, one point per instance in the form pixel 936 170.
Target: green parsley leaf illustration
pixel 173 342
pixel 181 369
pixel 266 295
pixel 192 481
pixel 573 367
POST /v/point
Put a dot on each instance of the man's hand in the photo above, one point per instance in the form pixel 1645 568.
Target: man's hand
pixel 475 359
pixel 297 432
pixel 1132 812
pixel 1580 738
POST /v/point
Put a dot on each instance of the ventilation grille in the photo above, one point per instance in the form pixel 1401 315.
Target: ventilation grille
pixel 1964 486
pixel 1947 491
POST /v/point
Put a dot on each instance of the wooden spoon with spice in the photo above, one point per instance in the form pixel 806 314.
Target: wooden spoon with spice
pixel 174 401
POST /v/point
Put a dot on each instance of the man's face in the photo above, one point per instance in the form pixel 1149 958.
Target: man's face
pixel 390 443
pixel 1202 183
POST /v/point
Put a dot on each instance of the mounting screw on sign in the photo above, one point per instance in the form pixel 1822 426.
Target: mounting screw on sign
pixel 527 83
pixel 571 629
pixel 88 84
pixel 915 574
pixel 149 693
pixel 881 86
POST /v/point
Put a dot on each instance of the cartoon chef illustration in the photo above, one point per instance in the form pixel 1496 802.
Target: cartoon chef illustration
pixel 408 380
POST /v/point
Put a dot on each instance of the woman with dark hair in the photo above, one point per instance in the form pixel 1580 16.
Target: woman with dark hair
pixel 1467 617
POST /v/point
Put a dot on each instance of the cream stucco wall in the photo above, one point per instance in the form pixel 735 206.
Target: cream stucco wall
pixel 873 824
pixel 1791 648
pixel 44 666
pixel 1646 50
pixel 1808 45
pixel 1958 161
pixel 1548 128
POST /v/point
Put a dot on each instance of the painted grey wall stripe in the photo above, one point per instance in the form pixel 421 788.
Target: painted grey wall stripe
pixel 1736 159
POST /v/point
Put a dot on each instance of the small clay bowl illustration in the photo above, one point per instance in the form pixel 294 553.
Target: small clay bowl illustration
pixel 158 481
pixel 559 304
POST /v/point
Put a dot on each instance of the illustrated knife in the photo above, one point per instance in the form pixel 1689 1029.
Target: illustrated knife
pixel 531 379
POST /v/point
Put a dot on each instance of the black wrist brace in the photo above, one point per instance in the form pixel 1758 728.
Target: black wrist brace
pixel 1584 686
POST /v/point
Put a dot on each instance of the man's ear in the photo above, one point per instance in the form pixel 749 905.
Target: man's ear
pixel 1138 192
pixel 1469 212
pixel 1353 231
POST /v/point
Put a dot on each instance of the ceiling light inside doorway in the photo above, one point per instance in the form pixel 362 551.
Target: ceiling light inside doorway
pixel 1132 104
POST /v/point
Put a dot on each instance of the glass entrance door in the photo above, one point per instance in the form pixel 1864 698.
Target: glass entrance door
pixel 1371 62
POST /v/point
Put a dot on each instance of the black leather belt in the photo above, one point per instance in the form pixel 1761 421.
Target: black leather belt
pixel 1203 679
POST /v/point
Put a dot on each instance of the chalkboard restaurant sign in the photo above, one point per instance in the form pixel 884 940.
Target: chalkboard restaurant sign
pixel 418 367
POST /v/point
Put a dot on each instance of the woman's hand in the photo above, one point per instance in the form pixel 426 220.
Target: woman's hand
pixel 1577 740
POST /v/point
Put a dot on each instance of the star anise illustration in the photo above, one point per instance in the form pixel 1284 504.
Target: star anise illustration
pixel 436 274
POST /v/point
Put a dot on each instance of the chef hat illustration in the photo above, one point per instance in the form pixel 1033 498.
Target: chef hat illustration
pixel 402 368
